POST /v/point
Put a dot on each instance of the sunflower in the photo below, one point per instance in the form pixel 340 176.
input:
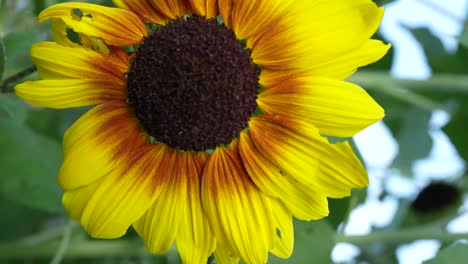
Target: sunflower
pixel 212 117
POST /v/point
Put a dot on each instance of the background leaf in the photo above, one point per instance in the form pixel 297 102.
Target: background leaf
pixel 456 130
pixel 39 5
pixel 413 139
pixel 463 39
pixel 17 46
pixel 2 59
pixel 20 220
pixel 29 163
pixel 13 106
pixel 438 58
pixel 457 253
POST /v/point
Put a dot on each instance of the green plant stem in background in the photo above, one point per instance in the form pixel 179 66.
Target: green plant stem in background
pixel 445 83
pixel 405 89
pixel 77 249
pixel 402 236
pixel 45 236
pixel 67 234
pixel 119 248
pixel 14 78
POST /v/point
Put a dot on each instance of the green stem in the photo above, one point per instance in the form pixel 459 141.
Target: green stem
pixel 405 89
pixel 77 249
pixel 401 236
pixel 64 244
pixel 126 248
pixel 446 83
pixel 14 78
pixel 410 97
pixel 45 236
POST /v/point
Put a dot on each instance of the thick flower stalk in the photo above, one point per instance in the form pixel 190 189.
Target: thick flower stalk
pixel 210 119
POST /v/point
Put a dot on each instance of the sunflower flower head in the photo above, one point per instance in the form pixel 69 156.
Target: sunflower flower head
pixel 210 119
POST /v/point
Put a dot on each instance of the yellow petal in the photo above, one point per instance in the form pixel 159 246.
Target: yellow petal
pixel 95 144
pixel 160 224
pixel 194 240
pixel 338 67
pixel 223 256
pixel 248 19
pixel 114 26
pixel 60 36
pixel 293 144
pixel 336 108
pixel 291 157
pixel 59 33
pixel 344 65
pixel 206 8
pixel 68 93
pixel 168 9
pixel 284 240
pixel 314 32
pixel 339 26
pixel 239 213
pixel 301 200
pixel 107 207
pixel 54 61
pixel 144 9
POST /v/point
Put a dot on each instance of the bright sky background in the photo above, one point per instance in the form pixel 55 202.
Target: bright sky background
pixel 379 149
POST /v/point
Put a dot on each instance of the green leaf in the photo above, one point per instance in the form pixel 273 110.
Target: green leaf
pixel 457 253
pixel 52 122
pixel 413 139
pixel 39 5
pixel 13 106
pixel 2 59
pixel 456 131
pixel 19 42
pixel 431 44
pixel 383 2
pixel 20 221
pixel 29 163
pixel 395 110
pixel 17 46
pixel 463 39
pixel 313 242
pixel 439 60
pixel 339 209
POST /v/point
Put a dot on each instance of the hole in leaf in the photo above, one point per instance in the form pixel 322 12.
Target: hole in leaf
pixel 76 13
pixel 278 232
pixel 73 36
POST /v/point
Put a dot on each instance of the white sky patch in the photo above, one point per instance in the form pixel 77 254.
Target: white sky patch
pixel 417 252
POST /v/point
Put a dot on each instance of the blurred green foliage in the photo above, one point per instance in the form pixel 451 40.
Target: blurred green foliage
pixel 33 220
